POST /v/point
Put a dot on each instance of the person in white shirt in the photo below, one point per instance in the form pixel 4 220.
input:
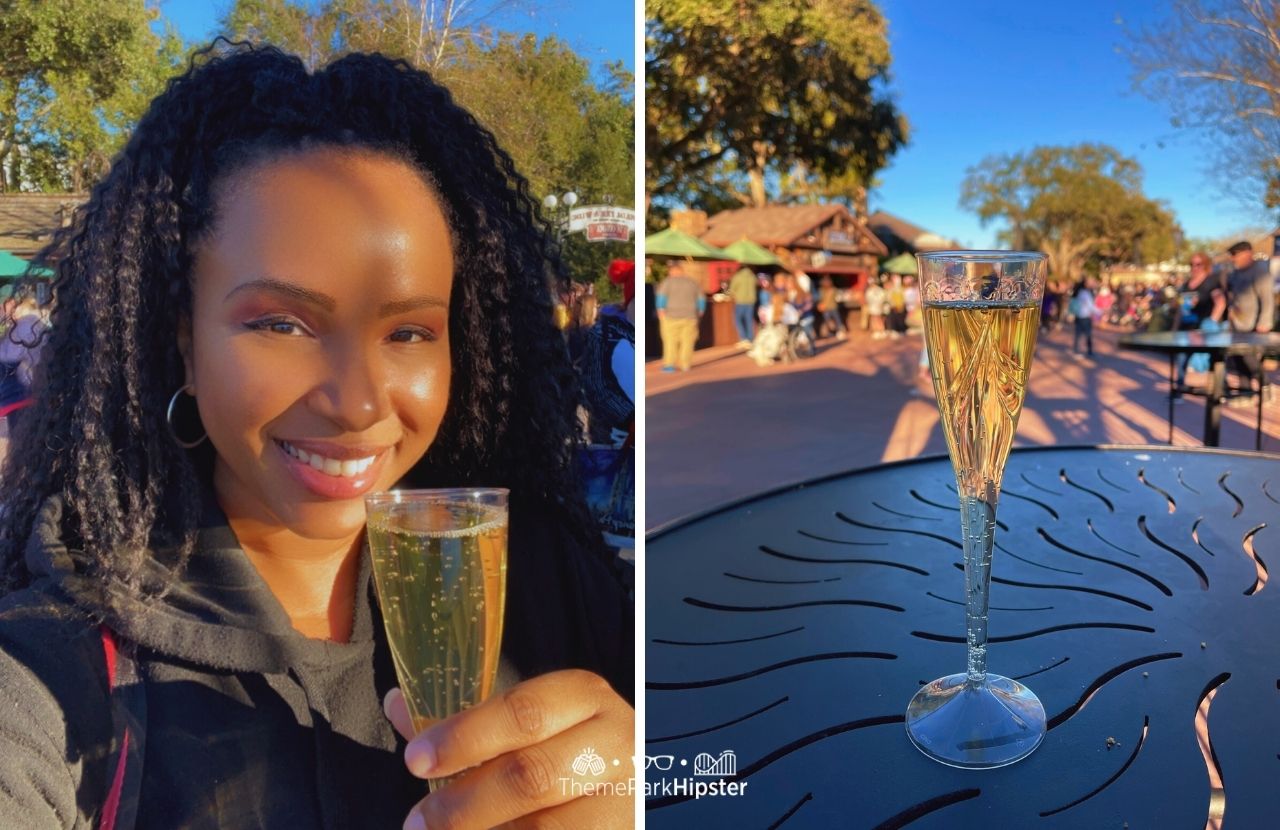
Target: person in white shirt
pixel 1084 309
pixel 873 303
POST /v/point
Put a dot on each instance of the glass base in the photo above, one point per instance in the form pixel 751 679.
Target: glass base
pixel 975 725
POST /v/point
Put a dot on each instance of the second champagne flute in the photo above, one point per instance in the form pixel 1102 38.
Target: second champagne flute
pixel 440 565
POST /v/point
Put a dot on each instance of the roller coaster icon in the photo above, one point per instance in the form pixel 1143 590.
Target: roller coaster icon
pixel 704 763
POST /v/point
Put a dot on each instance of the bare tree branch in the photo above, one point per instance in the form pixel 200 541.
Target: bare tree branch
pixel 1231 79
pixel 1216 63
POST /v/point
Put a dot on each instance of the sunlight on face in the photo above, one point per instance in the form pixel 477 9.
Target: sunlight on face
pixel 319 342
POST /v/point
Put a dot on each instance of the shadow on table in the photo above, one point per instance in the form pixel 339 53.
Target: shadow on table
pixel 716 441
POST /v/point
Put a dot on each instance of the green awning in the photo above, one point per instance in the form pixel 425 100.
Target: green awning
pixel 901 264
pixel 749 253
pixel 671 242
pixel 12 266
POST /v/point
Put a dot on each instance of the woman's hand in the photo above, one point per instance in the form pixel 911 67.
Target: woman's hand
pixel 519 749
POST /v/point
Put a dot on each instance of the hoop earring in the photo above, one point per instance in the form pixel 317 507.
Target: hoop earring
pixel 169 421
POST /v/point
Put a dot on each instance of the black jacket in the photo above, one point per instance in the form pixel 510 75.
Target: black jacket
pixel 248 722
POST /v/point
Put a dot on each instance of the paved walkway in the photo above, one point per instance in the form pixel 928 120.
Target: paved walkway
pixel 727 428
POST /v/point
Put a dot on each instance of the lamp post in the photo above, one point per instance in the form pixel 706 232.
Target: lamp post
pixel 551 202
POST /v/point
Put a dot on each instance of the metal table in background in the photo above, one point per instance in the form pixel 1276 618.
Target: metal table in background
pixel 786 633
pixel 1219 346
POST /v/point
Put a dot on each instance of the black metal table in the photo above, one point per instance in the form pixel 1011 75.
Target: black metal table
pixel 1219 346
pixel 786 633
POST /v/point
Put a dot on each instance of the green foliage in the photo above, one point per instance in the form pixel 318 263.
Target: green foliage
pixel 1074 203
pixel 753 88
pixel 538 99
pixel 562 131
pixel 74 76
pixel 804 186
pixel 309 33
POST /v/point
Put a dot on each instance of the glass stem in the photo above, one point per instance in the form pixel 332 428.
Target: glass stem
pixel 978 517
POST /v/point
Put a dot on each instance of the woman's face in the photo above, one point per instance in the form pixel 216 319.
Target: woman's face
pixel 318 347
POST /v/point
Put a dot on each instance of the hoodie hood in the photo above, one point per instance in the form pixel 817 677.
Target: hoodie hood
pixel 219 611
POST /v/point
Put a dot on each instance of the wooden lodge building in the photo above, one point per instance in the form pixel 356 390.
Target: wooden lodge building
pixel 903 237
pixel 28 220
pixel 819 240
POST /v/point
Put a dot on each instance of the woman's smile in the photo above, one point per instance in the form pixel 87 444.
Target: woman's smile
pixel 333 470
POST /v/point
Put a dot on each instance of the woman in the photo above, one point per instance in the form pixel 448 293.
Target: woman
pixel 289 291
pixel 1203 303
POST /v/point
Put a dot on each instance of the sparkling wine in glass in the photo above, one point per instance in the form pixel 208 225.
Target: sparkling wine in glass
pixel 440 566
pixel 981 317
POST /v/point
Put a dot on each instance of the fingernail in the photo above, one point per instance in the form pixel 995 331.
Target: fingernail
pixel 420 757
pixel 386 701
pixel 415 821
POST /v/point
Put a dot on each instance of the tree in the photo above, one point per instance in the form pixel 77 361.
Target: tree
pixel 1073 203
pixel 1216 63
pixel 562 131
pixel 804 186
pixel 537 97
pixel 74 76
pixel 757 87
pixel 310 33
pixel 426 33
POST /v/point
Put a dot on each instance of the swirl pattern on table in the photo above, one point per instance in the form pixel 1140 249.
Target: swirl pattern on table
pixel 1129 590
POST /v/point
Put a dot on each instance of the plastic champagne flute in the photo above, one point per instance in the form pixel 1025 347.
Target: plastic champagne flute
pixel 981 316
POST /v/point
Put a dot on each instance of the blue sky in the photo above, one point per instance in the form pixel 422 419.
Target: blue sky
pixel 995 76
pixel 601 32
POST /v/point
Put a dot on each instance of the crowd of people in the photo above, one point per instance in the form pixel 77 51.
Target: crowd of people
pixel 891 306
pixel 771 310
pixel 1238 296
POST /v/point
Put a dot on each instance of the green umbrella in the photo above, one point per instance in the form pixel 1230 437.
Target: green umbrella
pixel 672 242
pixel 901 264
pixel 749 253
pixel 15 266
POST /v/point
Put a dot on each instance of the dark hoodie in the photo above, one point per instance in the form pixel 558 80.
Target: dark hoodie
pixel 248 722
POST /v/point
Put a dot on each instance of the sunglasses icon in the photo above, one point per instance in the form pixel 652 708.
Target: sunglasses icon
pixel 661 762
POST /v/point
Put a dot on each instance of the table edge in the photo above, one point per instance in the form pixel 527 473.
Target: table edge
pixel 680 522
pixel 1268 349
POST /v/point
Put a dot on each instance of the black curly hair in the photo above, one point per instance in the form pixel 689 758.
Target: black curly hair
pixel 97 436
